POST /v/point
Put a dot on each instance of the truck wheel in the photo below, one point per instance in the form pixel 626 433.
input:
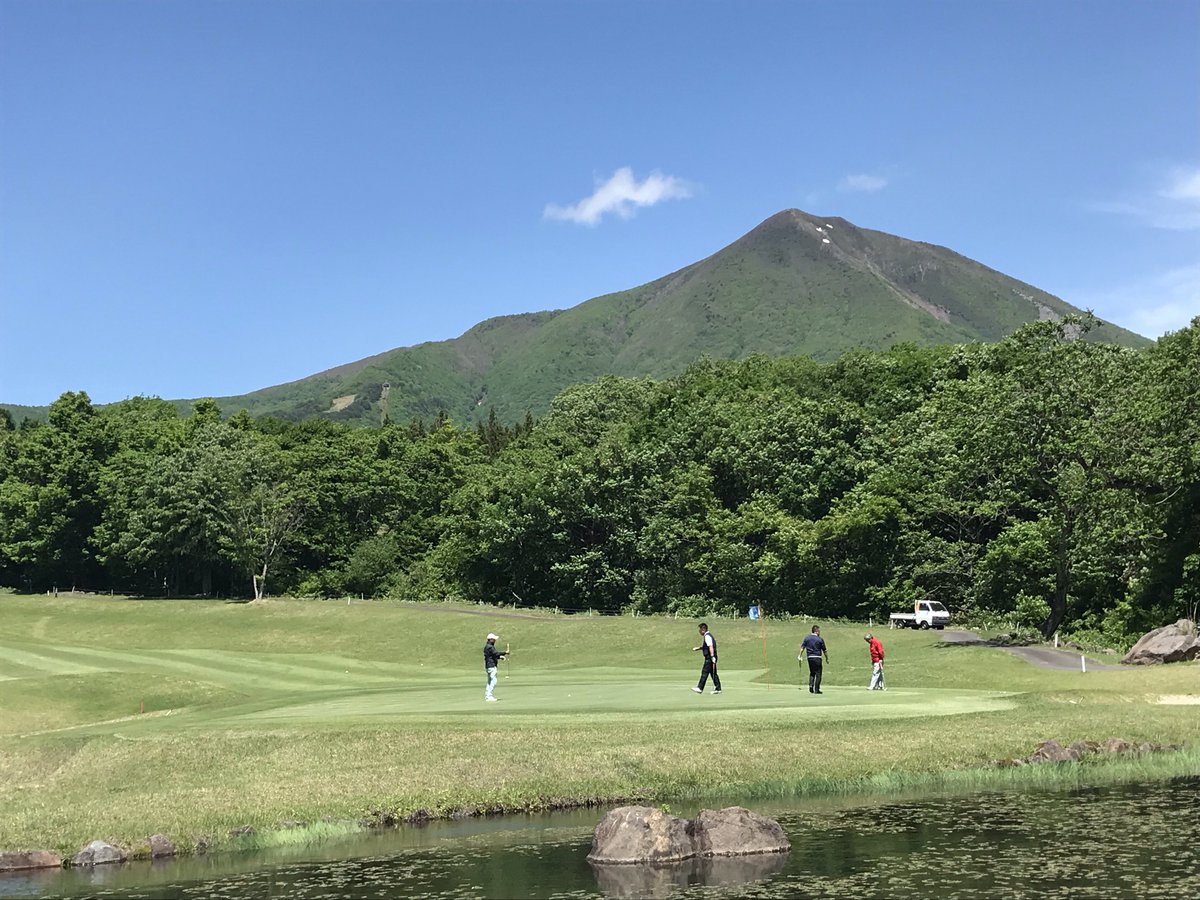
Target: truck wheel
pixel 924 626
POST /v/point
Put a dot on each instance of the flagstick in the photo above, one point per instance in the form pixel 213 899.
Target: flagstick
pixel 762 633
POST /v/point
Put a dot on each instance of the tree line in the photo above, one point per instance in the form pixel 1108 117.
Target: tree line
pixel 1044 478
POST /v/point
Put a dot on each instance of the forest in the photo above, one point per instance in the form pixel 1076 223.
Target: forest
pixel 1043 478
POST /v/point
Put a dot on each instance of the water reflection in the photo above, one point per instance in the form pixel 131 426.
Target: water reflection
pixel 1131 841
pixel 662 881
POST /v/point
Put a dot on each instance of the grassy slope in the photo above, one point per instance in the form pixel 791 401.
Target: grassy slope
pixel 259 713
pixel 21 413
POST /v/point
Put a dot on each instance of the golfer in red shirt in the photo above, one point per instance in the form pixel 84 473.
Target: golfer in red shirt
pixel 876 648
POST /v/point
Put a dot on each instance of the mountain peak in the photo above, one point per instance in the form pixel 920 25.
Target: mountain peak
pixel 797 220
pixel 797 284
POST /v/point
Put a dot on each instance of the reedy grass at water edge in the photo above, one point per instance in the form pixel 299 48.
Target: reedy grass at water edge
pixel 1095 772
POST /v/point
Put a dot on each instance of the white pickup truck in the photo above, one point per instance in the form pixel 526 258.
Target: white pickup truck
pixel 925 614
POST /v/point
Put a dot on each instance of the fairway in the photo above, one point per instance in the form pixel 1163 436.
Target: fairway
pixel 121 718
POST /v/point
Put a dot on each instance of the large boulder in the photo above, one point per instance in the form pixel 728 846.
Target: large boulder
pixel 97 853
pixel 643 834
pixel 29 859
pixel 1171 643
pixel 736 831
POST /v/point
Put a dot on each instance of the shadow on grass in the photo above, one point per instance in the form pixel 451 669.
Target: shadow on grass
pixel 1000 641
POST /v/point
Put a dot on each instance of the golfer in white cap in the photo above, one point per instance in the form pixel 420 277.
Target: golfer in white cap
pixel 491 660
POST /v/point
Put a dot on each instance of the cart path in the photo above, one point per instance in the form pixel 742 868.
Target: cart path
pixel 1044 657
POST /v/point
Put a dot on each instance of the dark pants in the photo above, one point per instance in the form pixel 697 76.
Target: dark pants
pixel 710 668
pixel 814 674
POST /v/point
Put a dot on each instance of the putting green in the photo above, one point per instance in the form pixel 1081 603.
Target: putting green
pixel 322 689
pixel 599 692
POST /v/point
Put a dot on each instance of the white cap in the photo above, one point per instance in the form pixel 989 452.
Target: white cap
pixel 493 637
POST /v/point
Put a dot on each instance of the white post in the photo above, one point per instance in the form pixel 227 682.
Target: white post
pixel 1056 640
pixel 1082 663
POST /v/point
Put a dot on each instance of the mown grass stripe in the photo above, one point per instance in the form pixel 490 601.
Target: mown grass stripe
pixel 10 669
pixel 153 661
pixel 300 669
pixel 329 662
pixel 48 659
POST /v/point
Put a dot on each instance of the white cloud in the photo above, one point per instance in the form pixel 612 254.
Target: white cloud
pixel 622 194
pixel 863 183
pixel 1155 305
pixel 1183 185
pixel 1173 205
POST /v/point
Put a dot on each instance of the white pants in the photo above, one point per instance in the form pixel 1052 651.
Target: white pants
pixel 491 682
pixel 877 677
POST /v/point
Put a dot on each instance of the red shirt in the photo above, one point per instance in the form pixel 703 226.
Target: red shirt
pixel 876 650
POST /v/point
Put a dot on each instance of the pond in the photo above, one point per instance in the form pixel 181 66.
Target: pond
pixel 1140 840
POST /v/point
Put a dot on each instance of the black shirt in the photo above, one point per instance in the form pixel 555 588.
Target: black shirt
pixel 813 646
pixel 491 656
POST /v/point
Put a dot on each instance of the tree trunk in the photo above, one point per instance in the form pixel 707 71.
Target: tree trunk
pixel 1058 600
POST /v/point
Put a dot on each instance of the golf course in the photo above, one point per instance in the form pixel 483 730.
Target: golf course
pixel 120 718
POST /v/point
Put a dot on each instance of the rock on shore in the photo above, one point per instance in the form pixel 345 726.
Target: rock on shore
pixel 1171 643
pixel 11 861
pixel 1052 751
pixel 98 853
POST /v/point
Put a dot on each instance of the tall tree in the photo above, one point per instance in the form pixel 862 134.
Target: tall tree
pixel 48 502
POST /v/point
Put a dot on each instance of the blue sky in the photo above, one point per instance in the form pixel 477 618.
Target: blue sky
pixel 204 198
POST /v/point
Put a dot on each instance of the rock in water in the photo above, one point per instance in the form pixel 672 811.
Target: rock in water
pixel 641 834
pixel 736 831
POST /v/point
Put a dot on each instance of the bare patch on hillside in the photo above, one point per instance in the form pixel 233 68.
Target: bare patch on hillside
pixel 340 403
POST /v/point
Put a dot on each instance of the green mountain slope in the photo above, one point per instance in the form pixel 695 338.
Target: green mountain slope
pixel 796 284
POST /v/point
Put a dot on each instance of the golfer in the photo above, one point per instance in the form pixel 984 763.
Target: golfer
pixel 813 647
pixel 709 646
pixel 491 661
pixel 876 648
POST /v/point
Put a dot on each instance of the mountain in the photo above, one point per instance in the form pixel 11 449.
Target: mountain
pixel 798 284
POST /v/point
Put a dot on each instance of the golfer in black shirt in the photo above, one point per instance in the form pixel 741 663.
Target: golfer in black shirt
pixel 813 646
pixel 709 645
pixel 491 661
